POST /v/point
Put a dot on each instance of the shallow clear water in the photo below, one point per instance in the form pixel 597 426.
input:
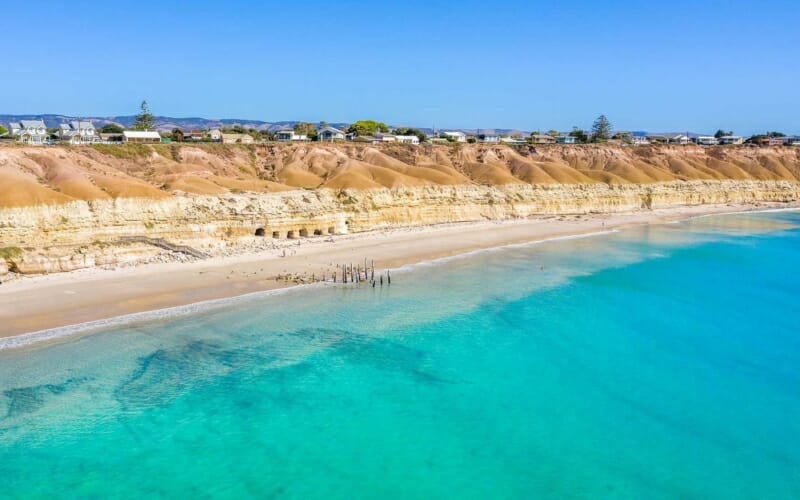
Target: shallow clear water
pixel 656 362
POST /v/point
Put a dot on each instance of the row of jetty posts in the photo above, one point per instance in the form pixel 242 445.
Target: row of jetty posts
pixel 354 274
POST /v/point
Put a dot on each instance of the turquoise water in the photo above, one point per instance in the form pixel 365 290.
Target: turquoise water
pixel 658 362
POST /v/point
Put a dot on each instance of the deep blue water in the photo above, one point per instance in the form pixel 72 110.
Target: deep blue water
pixel 655 362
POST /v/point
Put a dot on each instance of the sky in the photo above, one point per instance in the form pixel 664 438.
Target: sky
pixel 657 66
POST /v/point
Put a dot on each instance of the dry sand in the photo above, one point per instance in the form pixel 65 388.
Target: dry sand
pixel 49 301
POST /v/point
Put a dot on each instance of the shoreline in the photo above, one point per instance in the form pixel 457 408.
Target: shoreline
pixel 40 309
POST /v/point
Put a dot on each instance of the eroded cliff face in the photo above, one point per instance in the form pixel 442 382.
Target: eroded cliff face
pixel 449 184
pixel 84 234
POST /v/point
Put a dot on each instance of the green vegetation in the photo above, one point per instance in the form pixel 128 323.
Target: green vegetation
pixel 579 135
pixel 111 128
pixel 367 127
pixel 601 129
pixel 622 136
pixel 3 130
pixel 126 151
pixel 8 253
pixel 305 128
pixel 721 133
pixel 176 135
pixel 144 120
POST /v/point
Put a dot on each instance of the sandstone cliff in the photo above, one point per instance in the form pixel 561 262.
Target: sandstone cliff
pixel 67 208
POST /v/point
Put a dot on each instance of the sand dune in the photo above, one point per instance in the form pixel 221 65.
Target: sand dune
pixel 32 176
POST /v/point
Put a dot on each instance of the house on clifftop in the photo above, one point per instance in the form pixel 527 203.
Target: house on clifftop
pixel 78 132
pixel 330 134
pixel 731 140
pixel 141 136
pixel 566 139
pixel 542 139
pixel 455 136
pixel 488 137
pixel 289 135
pixel 29 131
pixel 237 139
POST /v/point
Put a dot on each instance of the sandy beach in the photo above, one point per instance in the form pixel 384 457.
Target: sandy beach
pixel 50 301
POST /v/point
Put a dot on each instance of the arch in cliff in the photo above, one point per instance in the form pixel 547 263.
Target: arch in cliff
pixel 260 232
pixel 290 235
pixel 304 233
pixel 276 234
pixel 331 230
pixel 318 232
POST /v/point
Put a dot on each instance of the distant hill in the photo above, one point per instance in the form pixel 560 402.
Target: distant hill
pixel 169 123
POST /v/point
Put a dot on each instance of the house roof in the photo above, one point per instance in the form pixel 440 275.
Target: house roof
pixel 32 124
pixel 141 134
pixel 330 129
pixel 14 125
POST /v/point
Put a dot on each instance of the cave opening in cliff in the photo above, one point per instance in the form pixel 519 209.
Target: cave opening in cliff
pixel 318 232
pixel 260 232
pixel 276 234
pixel 304 233
pixel 330 230
pixel 290 235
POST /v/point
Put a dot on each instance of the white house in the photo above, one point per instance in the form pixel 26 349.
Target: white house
pixel 488 137
pixel 680 139
pixel 731 139
pixel 407 139
pixel 215 134
pixel 639 140
pixel 237 139
pixel 456 136
pixel 514 141
pixel 29 131
pixel 707 140
pixel 141 136
pixel 288 135
pixel 78 132
pixel 330 134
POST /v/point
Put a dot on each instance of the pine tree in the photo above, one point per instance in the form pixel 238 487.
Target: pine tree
pixel 144 120
pixel 601 129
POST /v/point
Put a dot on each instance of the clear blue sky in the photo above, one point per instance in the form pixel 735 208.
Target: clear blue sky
pixel 668 66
